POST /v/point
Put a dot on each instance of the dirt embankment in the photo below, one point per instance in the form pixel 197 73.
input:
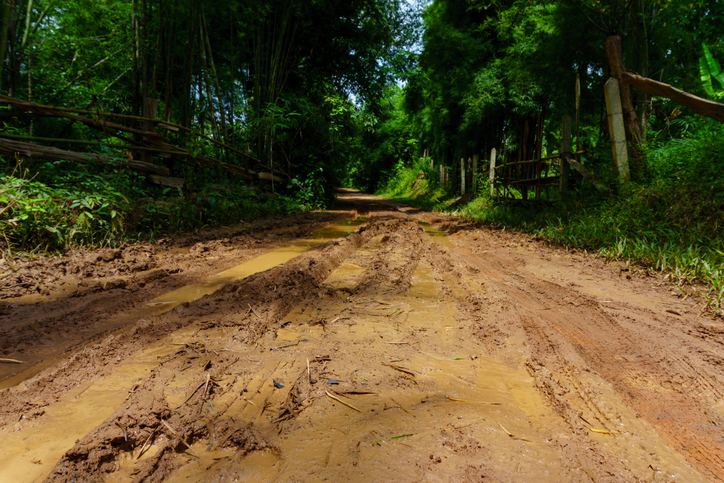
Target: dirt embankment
pixel 389 352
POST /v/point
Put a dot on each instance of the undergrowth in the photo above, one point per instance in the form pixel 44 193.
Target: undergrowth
pixel 59 207
pixel 671 222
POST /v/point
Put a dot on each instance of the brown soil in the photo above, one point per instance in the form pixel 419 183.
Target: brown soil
pixel 377 349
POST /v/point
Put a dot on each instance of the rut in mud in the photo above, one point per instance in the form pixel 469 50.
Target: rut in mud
pixel 389 352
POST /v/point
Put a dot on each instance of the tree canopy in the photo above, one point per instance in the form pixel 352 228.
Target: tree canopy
pixel 331 91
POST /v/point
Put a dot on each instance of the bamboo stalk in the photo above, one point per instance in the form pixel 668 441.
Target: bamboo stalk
pixel 11 147
pixel 59 112
pixel 224 132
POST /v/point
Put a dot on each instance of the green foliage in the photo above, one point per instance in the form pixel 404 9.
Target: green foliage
pixel 37 216
pixel 382 140
pixel 710 69
pixel 416 184
pixel 61 208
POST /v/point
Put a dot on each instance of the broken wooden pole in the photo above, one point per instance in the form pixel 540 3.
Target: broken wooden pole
pixel 492 173
pixel 703 107
pixel 565 155
pixel 617 130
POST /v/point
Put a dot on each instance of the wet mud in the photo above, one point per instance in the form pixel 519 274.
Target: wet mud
pixel 371 343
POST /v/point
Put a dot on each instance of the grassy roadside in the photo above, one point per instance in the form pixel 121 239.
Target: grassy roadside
pixel 60 207
pixel 673 223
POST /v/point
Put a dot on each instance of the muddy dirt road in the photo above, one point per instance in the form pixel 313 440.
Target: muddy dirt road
pixel 366 344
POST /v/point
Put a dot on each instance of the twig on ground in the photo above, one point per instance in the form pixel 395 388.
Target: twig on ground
pixel 401 369
pixel 339 400
pixel 179 437
pixel 41 332
pixel 146 442
pixel 253 311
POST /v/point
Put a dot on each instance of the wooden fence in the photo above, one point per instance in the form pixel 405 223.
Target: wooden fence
pixel 146 143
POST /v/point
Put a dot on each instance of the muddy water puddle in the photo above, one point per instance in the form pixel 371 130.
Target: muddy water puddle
pixel 439 236
pixel 29 450
pixel 276 257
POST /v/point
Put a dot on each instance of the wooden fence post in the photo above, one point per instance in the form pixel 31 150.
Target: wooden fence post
pixel 617 129
pixel 475 174
pixel 565 154
pixel 150 108
pixel 462 176
pixel 492 173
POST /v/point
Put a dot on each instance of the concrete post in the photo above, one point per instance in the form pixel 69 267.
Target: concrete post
pixel 617 129
pixel 462 176
pixel 492 173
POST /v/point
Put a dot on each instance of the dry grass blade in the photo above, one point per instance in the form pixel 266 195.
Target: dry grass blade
pixel 146 442
pixel 506 431
pixel 513 436
pixel 253 311
pixel 476 402
pixel 41 332
pixel 179 437
pixel 340 401
pixel 192 394
pixel 11 361
pixel 398 404
pixel 401 369
pixel 600 431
